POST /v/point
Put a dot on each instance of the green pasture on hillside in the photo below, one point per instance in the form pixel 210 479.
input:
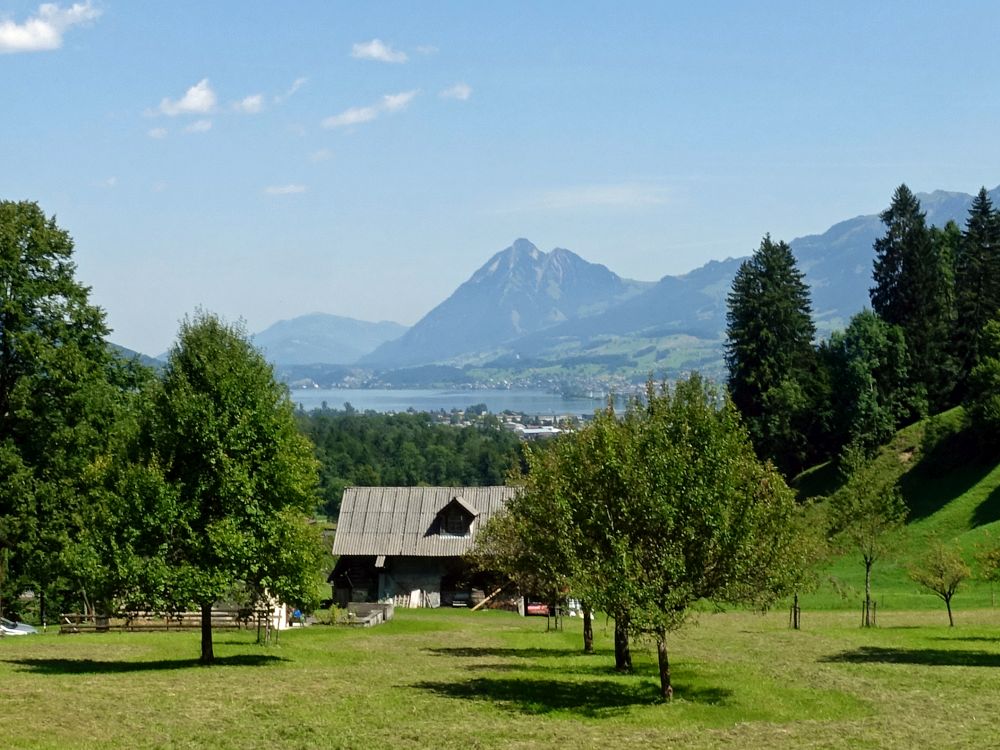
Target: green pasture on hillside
pixel 456 679
pixel 951 499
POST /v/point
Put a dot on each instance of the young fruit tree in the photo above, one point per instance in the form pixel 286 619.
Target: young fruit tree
pixel 530 544
pixel 942 570
pixel 663 506
pixel 865 515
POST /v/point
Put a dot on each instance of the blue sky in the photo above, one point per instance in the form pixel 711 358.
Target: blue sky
pixel 266 160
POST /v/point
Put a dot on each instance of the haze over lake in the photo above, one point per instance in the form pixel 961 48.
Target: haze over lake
pixel 398 400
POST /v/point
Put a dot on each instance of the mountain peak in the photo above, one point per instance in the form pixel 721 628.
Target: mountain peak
pixel 527 247
pixel 519 290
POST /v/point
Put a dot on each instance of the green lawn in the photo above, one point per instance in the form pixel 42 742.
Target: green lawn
pixel 451 678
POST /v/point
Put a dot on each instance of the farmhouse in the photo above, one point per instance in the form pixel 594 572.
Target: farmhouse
pixel 405 544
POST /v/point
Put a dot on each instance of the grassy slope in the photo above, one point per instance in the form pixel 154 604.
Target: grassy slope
pixel 949 497
pixel 455 679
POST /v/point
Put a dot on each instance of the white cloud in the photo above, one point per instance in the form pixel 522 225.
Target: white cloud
pixel 250 105
pixel 284 189
pixel 323 154
pixel 44 30
pixel 108 183
pixel 378 50
pixel 427 49
pixel 358 115
pixel 199 126
pixel 197 100
pixel 396 102
pixel 460 91
pixel 296 85
pixel 159 186
pixel 157 133
pixel 352 116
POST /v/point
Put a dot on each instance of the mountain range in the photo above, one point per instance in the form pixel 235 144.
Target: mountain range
pixel 525 308
pixel 320 337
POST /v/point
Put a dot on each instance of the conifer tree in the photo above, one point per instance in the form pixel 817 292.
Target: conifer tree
pixel 906 237
pixel 914 289
pixel 977 281
pixel 769 353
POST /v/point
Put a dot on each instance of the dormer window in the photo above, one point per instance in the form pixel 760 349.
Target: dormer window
pixel 456 518
pixel 456 523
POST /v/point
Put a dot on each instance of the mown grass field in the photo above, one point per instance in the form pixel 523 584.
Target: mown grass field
pixel 455 679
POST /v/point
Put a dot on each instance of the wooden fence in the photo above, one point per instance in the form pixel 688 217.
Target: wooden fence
pixel 222 619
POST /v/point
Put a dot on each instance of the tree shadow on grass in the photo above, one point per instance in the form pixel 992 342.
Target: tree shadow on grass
pixel 590 698
pixel 94 666
pixel 519 653
pixel 925 491
pixel 596 668
pixel 971 638
pixel 930 657
pixel 988 510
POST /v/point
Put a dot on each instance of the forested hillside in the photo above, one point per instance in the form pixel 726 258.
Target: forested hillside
pixel 930 341
pixel 405 450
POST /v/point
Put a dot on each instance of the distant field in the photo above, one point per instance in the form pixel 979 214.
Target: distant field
pixel 454 679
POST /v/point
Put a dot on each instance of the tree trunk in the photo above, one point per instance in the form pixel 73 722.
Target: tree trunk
pixel 41 605
pixel 951 620
pixel 588 628
pixel 666 689
pixel 207 654
pixel 623 655
pixel 869 620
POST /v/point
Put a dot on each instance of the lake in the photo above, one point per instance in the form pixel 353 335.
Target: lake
pixel 399 400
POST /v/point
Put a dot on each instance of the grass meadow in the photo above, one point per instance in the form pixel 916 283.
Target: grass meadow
pixel 456 679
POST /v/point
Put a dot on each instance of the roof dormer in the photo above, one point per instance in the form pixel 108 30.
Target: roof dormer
pixel 456 518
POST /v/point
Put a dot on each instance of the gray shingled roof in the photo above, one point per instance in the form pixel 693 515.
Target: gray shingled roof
pixel 401 520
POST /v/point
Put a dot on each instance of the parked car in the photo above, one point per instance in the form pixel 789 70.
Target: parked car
pixel 9 627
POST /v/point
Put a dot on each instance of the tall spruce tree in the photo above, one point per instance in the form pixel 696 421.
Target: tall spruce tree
pixel 895 252
pixel 933 332
pixel 770 355
pixel 977 281
pixel 914 289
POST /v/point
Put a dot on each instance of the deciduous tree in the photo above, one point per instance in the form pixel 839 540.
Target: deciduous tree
pixel 57 398
pixel 870 364
pixel 865 514
pixel 982 400
pixel 941 570
pixel 666 505
pixel 239 476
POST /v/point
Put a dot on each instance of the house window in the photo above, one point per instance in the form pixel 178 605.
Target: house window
pixel 455 523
